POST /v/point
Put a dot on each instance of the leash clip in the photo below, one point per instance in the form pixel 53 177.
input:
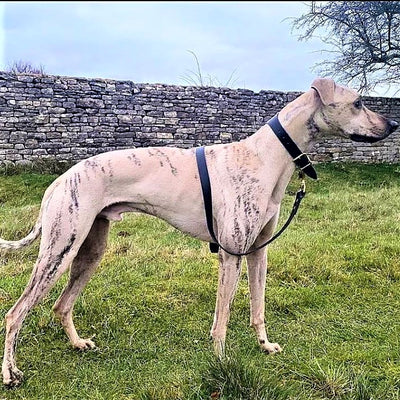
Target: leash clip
pixel 302 191
pixel 303 186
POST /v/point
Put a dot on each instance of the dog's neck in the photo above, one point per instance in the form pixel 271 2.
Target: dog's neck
pixel 297 118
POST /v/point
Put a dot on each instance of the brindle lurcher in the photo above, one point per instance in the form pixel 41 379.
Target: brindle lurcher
pixel 250 177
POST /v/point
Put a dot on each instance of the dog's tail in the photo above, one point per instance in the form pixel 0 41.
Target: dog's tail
pixel 26 241
pixel 36 230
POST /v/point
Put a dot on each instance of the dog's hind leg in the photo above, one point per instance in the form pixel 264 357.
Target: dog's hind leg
pixel 82 268
pixel 257 270
pixel 55 256
pixel 229 273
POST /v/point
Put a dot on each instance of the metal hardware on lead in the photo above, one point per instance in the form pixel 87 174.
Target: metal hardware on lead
pixel 303 185
pixel 302 154
pixel 305 166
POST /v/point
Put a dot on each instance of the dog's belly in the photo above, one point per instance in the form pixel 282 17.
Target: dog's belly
pixel 188 223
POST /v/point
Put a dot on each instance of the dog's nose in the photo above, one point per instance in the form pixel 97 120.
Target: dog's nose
pixel 393 125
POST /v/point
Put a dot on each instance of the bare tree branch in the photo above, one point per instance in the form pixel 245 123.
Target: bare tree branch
pixel 364 35
pixel 197 78
pixel 20 67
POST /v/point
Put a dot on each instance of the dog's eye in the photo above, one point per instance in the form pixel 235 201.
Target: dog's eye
pixel 358 104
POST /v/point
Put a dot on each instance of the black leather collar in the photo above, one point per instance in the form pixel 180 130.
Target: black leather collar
pixel 299 158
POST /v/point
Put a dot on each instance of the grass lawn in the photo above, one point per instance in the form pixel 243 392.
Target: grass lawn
pixel 332 303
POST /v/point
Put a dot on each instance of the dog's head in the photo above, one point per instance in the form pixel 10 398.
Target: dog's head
pixel 343 113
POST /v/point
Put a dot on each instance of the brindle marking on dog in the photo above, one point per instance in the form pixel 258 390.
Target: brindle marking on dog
pixel 135 159
pixel 74 185
pixel 312 127
pixel 59 257
pixel 248 179
pixel 164 159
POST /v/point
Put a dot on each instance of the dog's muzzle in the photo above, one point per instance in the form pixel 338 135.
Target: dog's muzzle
pixel 391 127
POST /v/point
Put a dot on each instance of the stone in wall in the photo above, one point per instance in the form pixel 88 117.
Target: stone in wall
pixel 68 119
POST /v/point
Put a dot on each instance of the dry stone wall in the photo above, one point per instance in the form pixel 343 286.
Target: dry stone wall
pixel 69 119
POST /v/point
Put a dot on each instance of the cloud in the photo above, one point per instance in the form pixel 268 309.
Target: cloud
pixel 149 41
pixel 2 34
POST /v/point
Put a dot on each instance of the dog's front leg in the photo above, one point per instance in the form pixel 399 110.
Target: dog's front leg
pixel 257 270
pixel 229 273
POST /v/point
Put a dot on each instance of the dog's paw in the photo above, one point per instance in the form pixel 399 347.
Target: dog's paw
pixel 270 348
pixel 84 344
pixel 219 348
pixel 12 377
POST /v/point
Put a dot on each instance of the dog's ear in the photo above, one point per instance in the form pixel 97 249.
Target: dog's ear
pixel 325 89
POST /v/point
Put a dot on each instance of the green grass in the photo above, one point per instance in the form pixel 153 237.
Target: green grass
pixel 332 303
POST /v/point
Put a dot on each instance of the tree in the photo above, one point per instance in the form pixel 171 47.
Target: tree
pixel 364 40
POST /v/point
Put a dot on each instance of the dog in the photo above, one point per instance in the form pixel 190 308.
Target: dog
pixel 250 176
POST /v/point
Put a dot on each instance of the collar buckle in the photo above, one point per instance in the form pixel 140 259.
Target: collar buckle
pixel 302 161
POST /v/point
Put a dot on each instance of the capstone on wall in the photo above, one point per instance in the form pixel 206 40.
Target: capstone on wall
pixel 69 119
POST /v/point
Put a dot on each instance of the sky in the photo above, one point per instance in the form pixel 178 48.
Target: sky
pixel 237 44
